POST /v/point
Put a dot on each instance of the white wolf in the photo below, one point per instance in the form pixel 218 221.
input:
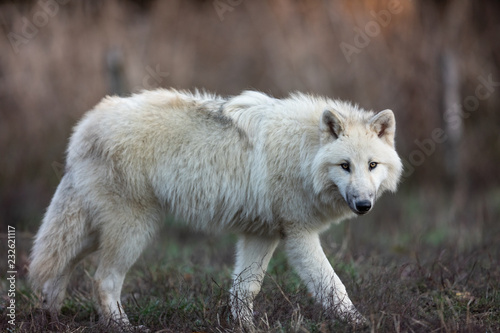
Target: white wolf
pixel 267 169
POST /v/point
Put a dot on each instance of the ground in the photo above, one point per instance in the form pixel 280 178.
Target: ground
pixel 418 263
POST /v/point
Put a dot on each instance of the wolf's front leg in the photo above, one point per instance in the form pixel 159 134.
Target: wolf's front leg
pixel 252 257
pixel 306 255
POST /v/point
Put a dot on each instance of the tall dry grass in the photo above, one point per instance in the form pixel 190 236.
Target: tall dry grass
pixel 70 63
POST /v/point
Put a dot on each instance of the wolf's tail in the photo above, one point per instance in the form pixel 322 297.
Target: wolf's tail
pixel 60 237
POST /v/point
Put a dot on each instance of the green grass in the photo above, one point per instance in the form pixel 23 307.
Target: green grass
pixel 407 270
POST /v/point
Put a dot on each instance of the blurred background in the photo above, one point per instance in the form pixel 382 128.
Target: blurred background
pixel 434 63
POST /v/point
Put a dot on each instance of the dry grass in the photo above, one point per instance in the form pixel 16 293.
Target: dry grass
pixel 429 273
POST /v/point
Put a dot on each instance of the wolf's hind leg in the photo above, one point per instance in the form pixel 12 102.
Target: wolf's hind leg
pixel 252 257
pixel 121 243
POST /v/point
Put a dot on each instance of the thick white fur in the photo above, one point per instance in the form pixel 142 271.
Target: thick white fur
pixel 268 169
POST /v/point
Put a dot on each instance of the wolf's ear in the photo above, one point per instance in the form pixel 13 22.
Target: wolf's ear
pixel 331 123
pixel 384 124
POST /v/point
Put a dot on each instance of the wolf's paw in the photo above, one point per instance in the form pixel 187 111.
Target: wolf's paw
pixel 122 325
pixel 138 329
pixel 358 320
pixel 353 316
pixel 245 325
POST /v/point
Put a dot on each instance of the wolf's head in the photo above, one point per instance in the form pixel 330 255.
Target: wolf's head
pixel 357 155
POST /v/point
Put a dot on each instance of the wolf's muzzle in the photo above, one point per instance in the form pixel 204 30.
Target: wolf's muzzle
pixel 363 206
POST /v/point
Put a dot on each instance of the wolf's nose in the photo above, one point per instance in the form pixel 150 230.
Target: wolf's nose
pixel 363 206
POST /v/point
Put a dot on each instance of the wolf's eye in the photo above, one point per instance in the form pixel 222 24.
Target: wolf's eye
pixel 345 166
pixel 373 165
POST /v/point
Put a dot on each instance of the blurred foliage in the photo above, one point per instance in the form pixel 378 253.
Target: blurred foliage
pixel 59 59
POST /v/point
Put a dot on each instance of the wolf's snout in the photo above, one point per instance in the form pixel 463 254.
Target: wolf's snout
pixel 363 206
pixel 360 204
